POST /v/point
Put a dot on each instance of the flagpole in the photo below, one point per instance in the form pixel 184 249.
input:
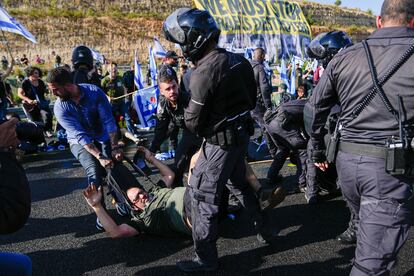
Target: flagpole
pixel 7 45
pixel 135 58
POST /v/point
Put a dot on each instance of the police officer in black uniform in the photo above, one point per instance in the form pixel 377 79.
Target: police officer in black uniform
pixel 82 61
pixel 375 155
pixel 223 91
pixel 324 47
pixel 169 63
pixel 171 111
pixel 286 129
pixel 264 89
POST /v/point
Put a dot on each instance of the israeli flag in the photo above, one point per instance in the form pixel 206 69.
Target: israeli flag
pixel 248 53
pixel 152 66
pixel 293 78
pixel 97 56
pixel 159 50
pixel 145 103
pixel 283 74
pixel 315 65
pixel 137 73
pixel 9 24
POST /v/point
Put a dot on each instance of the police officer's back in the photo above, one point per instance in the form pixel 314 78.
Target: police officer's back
pixel 374 164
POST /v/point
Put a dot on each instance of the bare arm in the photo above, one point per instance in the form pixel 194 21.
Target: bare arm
pixel 93 197
pixel 165 171
pixel 93 150
pixel 193 161
pixel 117 153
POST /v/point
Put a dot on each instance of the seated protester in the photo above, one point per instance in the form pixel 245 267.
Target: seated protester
pixel 285 127
pixel 35 105
pixel 171 110
pixel 161 211
pixel 281 96
pixel 301 93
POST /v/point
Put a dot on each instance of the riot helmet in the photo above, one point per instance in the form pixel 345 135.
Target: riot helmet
pixel 326 45
pixel 82 55
pixel 192 29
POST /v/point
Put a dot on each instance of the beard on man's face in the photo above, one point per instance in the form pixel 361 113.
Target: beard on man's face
pixel 65 95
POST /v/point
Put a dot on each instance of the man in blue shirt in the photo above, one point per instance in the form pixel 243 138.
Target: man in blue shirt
pixel 84 111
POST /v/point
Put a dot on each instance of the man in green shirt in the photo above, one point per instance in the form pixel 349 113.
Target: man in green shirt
pixel 113 87
pixel 161 211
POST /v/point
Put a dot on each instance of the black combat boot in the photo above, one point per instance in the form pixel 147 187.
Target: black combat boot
pixel 349 236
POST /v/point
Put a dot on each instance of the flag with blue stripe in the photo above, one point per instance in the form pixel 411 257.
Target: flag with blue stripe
pixel 97 56
pixel 145 103
pixel 137 73
pixel 283 74
pixel 9 24
pixel 293 78
pixel 152 66
pixel 159 50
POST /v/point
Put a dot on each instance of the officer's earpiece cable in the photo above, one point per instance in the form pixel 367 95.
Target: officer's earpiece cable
pixel 378 83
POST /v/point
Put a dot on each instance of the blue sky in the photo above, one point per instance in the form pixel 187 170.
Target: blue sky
pixel 374 5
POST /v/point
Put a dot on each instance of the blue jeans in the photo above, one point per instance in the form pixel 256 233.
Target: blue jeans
pixel 93 169
pixel 15 264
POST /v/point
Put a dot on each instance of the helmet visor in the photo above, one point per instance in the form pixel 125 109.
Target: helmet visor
pixel 172 30
pixel 316 47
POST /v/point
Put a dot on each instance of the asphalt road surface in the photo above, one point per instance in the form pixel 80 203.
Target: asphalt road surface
pixel 61 239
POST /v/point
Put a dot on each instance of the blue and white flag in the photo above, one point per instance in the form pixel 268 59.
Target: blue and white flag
pixel 159 50
pixel 248 53
pixel 137 73
pixel 283 74
pixel 268 71
pixel 152 66
pixel 145 103
pixel 9 24
pixel 293 78
pixel 315 65
pixel 97 56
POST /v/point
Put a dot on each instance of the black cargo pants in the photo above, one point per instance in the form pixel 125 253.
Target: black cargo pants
pixel 210 175
pixel 287 138
pixel 384 205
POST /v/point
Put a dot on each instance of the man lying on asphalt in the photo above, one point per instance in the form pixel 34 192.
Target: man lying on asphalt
pixel 160 211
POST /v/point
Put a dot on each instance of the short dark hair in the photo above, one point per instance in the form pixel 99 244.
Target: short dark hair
pixel 165 75
pixel 260 50
pixel 31 69
pixel 60 76
pixel 113 63
pixel 398 11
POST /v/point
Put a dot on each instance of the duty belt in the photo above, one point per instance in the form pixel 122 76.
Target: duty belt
pixel 363 149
